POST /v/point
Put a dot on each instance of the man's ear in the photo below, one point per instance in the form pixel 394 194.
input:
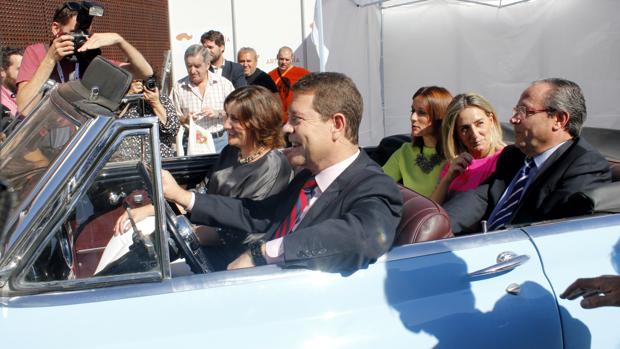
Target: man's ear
pixel 339 125
pixel 561 120
pixel 56 28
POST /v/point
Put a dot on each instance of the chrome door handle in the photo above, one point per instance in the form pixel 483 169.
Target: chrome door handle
pixel 508 264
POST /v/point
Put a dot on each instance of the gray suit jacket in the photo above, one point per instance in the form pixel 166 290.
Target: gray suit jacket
pixel 234 72
pixel 574 167
pixel 348 227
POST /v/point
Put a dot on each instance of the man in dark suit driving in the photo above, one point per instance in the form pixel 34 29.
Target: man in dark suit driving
pixel 536 176
pixel 339 213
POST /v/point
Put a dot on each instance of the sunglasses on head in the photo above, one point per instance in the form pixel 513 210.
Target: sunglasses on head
pixel 71 5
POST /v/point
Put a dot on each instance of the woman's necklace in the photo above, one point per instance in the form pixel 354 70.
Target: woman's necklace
pixel 427 165
pixel 253 156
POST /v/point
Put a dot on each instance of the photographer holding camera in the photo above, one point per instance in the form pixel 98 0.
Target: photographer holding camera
pixel 152 103
pixel 67 56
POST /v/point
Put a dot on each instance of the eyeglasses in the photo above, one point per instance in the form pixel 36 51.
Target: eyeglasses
pixel 522 110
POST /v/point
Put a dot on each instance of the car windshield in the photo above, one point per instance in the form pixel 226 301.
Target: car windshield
pixel 38 142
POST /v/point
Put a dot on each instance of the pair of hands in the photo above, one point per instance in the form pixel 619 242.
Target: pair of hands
pixel 62 45
pixel 597 292
pixel 206 112
pixel 172 192
pixel 151 96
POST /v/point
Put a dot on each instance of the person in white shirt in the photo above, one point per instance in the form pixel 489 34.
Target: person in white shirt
pixel 201 95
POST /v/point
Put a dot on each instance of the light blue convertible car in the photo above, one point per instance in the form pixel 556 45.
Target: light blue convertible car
pixel 492 290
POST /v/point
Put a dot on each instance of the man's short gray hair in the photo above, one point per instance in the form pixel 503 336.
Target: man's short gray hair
pixel 566 96
pixel 195 50
pixel 247 49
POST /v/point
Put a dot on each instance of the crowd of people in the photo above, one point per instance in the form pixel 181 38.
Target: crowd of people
pixel 322 203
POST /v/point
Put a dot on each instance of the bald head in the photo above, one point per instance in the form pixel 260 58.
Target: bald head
pixel 285 58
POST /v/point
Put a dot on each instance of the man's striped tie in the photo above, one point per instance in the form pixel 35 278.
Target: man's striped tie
pixel 295 216
pixel 503 215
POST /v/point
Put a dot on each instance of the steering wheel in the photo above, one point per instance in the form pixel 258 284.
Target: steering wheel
pixel 182 237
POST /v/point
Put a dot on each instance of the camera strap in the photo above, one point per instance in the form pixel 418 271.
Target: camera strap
pixel 61 75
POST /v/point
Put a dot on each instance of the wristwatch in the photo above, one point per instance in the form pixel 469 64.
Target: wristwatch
pixel 257 254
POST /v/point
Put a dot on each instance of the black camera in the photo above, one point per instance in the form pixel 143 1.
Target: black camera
pixel 79 38
pixel 85 14
pixel 150 83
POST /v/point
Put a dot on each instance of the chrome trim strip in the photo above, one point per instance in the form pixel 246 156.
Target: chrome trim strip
pixel 453 244
pixel 89 250
pixel 568 225
pixel 164 254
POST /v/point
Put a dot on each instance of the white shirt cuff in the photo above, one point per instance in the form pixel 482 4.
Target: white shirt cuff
pixel 274 251
pixel 191 202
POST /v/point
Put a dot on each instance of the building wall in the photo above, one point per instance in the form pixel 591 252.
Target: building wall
pixel 144 23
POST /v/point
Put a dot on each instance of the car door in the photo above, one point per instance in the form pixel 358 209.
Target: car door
pixel 577 248
pixel 417 296
pixel 446 290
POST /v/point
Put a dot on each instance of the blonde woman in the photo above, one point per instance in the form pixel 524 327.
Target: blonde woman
pixel 472 143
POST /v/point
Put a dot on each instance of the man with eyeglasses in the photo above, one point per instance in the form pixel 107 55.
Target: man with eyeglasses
pixel 61 61
pixel 538 173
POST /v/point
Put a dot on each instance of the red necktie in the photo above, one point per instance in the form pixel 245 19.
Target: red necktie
pixel 295 216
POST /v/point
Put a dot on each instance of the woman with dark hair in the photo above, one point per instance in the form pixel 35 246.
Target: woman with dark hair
pixel 472 142
pixel 250 166
pixel 156 104
pixel 418 164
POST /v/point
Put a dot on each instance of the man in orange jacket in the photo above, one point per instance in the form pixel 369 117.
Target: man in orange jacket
pixel 285 76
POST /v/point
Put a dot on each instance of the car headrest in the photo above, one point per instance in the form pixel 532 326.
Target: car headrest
pixel 421 220
pixel 103 86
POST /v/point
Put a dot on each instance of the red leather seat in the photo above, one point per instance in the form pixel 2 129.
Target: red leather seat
pixel 421 220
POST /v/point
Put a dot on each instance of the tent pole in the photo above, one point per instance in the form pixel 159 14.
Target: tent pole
pixel 319 17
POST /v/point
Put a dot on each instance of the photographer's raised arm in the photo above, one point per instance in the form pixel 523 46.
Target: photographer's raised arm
pixel 28 91
pixel 136 64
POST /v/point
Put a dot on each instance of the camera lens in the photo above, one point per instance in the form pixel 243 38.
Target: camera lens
pixel 150 83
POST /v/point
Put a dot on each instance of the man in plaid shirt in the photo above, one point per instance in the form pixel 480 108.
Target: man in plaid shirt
pixel 201 95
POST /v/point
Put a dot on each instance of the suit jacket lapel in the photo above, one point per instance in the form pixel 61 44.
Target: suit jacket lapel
pixel 324 201
pixel 227 69
pixel 289 198
pixel 550 162
pixel 535 188
pixel 319 206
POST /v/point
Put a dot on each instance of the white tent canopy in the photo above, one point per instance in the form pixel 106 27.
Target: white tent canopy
pixel 395 3
pixel 496 48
